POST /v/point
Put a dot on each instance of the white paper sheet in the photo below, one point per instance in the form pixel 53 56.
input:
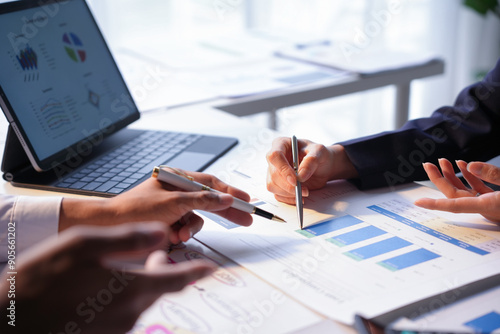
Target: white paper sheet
pixel 231 300
pixel 477 314
pixel 379 253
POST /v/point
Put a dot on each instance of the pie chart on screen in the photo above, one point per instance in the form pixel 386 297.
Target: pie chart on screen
pixel 74 47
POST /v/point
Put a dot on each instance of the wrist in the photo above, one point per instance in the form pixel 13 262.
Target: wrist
pixel 84 212
pixel 343 168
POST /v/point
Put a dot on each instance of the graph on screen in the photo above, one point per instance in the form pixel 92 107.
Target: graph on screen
pixel 26 60
pixel 74 47
pixel 53 117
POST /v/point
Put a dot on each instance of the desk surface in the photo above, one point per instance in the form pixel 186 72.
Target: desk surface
pixel 150 77
pixel 253 140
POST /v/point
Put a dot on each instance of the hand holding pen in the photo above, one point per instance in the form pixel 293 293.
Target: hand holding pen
pixel 318 164
pixel 186 182
pixel 157 201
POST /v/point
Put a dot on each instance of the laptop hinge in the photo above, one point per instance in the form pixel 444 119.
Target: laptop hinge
pixel 14 159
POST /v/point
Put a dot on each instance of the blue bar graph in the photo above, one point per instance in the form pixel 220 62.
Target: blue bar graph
pixel 486 323
pixel 355 236
pixel 427 230
pixel 377 248
pixel 408 259
pixel 330 226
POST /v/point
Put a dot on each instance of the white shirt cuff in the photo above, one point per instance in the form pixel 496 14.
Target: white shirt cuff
pixel 33 219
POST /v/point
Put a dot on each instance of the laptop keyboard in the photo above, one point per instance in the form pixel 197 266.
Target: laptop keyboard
pixel 118 170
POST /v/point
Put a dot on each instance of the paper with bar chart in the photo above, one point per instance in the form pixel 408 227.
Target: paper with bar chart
pixel 477 314
pixel 369 252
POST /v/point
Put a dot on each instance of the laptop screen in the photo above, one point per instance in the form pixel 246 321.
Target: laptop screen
pixel 58 80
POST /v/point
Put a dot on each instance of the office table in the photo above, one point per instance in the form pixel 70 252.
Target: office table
pixel 267 101
pixel 253 141
pixel 401 78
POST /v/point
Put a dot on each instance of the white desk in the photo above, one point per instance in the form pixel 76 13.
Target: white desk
pixel 401 78
pixel 253 140
pixel 136 68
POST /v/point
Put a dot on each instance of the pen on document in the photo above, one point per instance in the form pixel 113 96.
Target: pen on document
pixel 177 178
pixel 298 187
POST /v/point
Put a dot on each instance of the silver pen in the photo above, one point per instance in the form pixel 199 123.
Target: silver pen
pixel 181 180
pixel 298 187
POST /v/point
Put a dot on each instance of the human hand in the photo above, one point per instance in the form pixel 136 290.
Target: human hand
pixel 158 201
pixel 479 198
pixel 318 164
pixel 66 283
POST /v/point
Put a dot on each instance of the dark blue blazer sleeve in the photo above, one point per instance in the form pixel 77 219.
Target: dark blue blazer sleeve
pixel 468 130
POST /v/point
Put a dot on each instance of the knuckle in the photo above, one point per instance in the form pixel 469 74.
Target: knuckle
pixel 272 155
pixel 494 173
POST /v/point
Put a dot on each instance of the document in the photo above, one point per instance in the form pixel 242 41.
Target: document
pixel 364 63
pixel 231 300
pixel 360 252
pixel 477 314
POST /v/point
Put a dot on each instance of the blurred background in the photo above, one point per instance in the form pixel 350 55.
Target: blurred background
pixel 186 39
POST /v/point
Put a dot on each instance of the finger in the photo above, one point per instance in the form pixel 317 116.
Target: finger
pixel 285 199
pixel 311 161
pixel 276 184
pixel 215 183
pixel 485 172
pixel 450 175
pixel 455 205
pixel 170 278
pixel 191 224
pixel 156 259
pixel 201 200
pixel 207 201
pixel 236 216
pixel 96 241
pixel 473 181
pixel 280 158
pixel 442 183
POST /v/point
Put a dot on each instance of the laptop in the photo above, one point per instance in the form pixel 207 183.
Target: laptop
pixel 68 108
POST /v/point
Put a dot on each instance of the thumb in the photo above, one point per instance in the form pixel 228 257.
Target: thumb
pixel 484 171
pixel 308 166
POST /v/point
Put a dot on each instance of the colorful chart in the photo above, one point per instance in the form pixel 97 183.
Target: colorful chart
pixel 54 115
pixel 28 59
pixel 74 47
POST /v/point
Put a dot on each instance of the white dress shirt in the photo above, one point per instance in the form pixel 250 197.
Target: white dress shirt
pixel 29 219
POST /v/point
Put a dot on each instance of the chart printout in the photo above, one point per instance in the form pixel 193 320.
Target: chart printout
pixel 361 252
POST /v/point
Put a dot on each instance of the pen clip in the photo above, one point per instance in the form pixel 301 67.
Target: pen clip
pixel 295 154
pixel 178 172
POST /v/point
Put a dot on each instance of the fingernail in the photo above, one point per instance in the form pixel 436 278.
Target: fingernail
pixel 191 233
pixel 291 180
pixel 305 192
pixel 475 168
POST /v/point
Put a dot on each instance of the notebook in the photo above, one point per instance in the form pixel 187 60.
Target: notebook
pixel 68 108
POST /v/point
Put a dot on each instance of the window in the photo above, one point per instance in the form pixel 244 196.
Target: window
pixel 467 42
